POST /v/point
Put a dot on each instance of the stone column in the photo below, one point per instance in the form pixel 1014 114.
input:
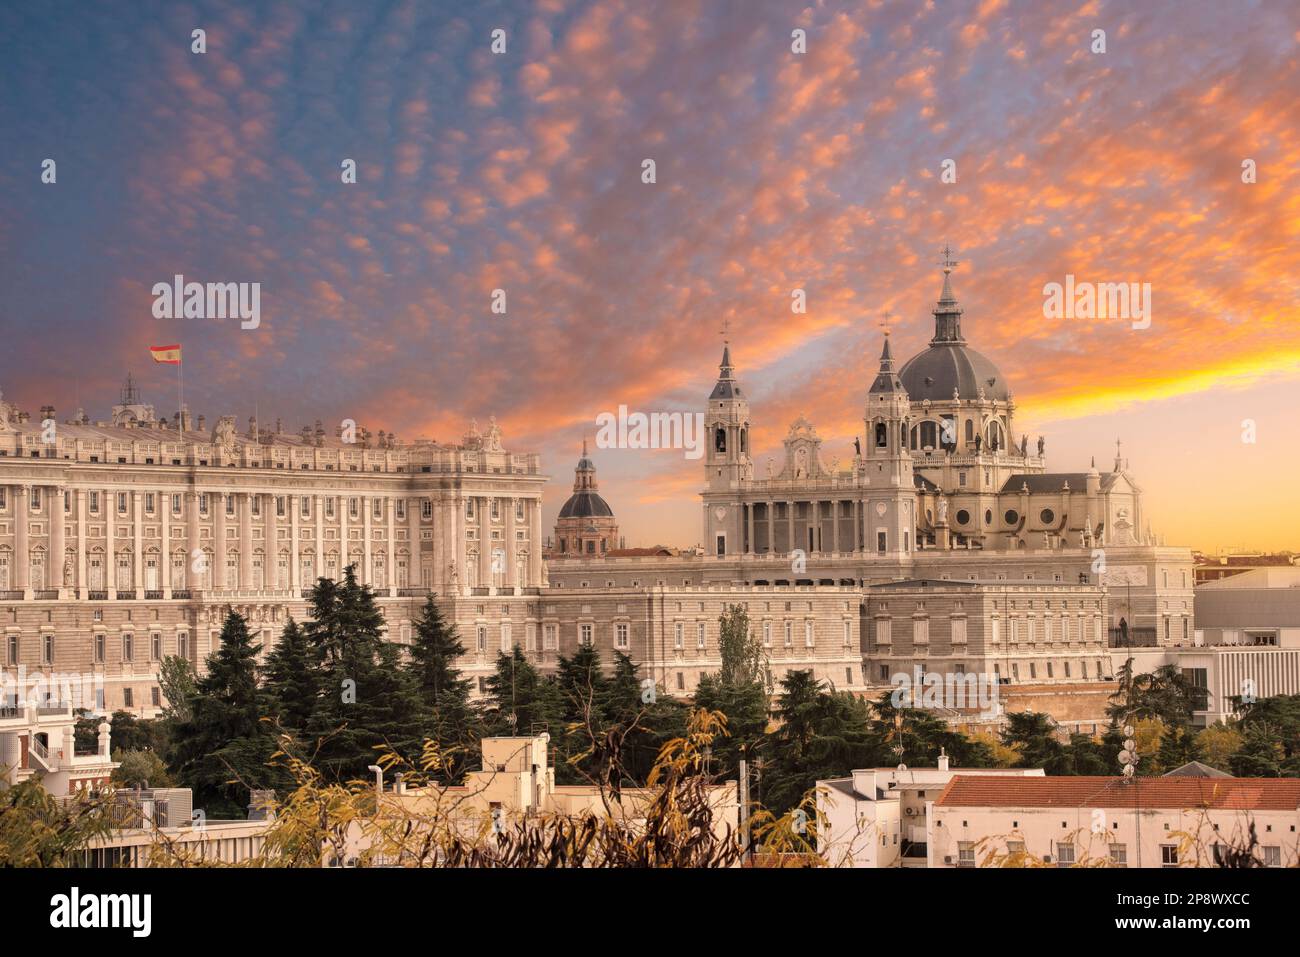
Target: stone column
pixel 81 543
pixel 414 563
pixel 345 515
pixel 193 580
pixel 294 504
pixel 390 516
pixel 458 550
pixel 749 519
pixel 110 525
pixel 165 562
pixel 367 569
pixel 835 525
pixel 485 542
pixel 510 577
pixel 57 545
pixel 789 520
pixel 219 548
pixel 318 570
pixel 534 507
pixel 244 504
pixel 22 547
pixel 271 527
pixel 137 543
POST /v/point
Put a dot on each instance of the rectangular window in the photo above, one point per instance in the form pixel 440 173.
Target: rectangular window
pixel 699 634
pixel 789 633
pixel 426 509
pixel 1168 855
pixel 47 649
pixel 377 508
pixel 12 650
pixel 121 503
pixel 203 503
pixel 155 696
pixel 176 504
pixel 155 646
pixel 354 507
pixel 1119 855
pixel 1272 855
pixel 621 635
pixel 965 854
pixel 677 635
pixel 482 637
pixel 94 502
pixel 551 637
pixel 401 509
pixel 959 631
pixel 230 504
pixel 149 502
pixel 519 510
pixel 304 506
pixel 767 634
pixel 99 647
pixel 128 698
pixel 279 506
pixel 329 507
pixel 809 639
pixel 584 634
pixel 128 647
pixel 881 540
pixel 1064 854
pixel 506 639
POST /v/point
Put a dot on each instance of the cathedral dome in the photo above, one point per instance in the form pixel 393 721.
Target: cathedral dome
pixel 585 505
pixel 949 367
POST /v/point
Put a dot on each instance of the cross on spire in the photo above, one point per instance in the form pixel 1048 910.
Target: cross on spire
pixel 885 317
pixel 725 331
pixel 947 262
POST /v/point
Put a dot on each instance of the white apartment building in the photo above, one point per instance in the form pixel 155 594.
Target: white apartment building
pixel 995 820
pixel 877 817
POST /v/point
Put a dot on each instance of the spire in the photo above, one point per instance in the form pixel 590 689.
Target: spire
pixel 1119 464
pixel 584 476
pixel 726 387
pixel 887 380
pixel 947 313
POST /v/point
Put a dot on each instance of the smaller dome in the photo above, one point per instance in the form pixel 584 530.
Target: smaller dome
pixel 585 505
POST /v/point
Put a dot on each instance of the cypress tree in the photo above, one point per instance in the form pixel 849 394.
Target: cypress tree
pixel 224 739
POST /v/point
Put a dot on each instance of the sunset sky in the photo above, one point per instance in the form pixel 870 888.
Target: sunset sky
pixel 775 171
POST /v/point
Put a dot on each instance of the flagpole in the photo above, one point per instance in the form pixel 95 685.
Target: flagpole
pixel 180 375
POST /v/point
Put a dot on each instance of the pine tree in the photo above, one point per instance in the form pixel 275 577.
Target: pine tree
pixel 368 703
pixel 521 700
pixel 291 679
pixel 223 748
pixel 447 717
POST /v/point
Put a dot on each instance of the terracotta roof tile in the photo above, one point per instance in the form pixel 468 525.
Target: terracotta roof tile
pixel 1244 794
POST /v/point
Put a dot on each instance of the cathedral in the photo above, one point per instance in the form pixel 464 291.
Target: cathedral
pixel 935 469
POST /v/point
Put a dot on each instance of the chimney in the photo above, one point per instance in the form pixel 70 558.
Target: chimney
pixel 200 423
pixel 943 759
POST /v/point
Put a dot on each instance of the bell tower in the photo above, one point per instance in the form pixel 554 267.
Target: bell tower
pixel 890 494
pixel 727 461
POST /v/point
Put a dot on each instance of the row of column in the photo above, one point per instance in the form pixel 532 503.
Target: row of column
pixel 447 518
pixel 855 539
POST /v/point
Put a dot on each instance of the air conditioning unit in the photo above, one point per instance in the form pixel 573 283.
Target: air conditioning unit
pixel 947 858
pixel 1047 858
pixel 909 811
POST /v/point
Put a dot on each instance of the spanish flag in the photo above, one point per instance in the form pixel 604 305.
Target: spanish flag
pixel 168 354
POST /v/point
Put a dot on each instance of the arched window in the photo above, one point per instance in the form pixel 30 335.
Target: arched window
pixel 970 430
pixel 881 435
pixel 929 435
pixel 720 439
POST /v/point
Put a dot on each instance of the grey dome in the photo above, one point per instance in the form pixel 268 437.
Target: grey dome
pixel 585 505
pixel 945 366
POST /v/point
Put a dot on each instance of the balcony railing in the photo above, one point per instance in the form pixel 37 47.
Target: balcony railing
pixel 153 595
pixel 46 594
pixel 181 593
pixel 11 595
pixel 1137 638
pixel 412 592
pixel 123 595
pixel 97 595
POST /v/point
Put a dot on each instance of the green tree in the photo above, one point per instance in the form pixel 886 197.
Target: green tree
pixel 291 678
pixel 176 682
pixel 368 701
pixel 521 701
pixel 1177 747
pixel 447 716
pixel 143 769
pixel 1261 754
pixel 1217 744
pixel 1033 734
pixel 40 830
pixel 222 750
